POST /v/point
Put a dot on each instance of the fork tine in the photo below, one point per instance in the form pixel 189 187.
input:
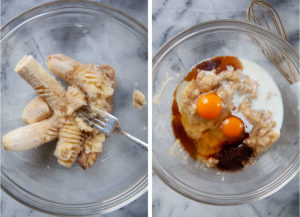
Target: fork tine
pixel 91 119
pixel 102 118
pixel 86 119
pixel 98 121
pixel 92 123
pixel 100 128
pixel 87 110
pixel 104 122
pixel 105 114
pixel 100 113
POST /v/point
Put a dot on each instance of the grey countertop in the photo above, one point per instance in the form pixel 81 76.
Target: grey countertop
pixel 171 17
pixel 11 8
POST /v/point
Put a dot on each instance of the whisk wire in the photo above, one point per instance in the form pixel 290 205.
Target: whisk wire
pixel 261 13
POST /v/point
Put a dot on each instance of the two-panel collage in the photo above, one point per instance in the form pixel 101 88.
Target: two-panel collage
pixel 150 108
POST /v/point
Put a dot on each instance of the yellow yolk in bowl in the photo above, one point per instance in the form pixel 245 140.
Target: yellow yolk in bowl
pixel 209 106
pixel 233 127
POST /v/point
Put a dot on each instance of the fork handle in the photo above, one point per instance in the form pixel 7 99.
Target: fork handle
pixel 134 139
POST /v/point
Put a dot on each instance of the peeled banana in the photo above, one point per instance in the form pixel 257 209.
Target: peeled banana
pixel 64 103
pixel 43 83
pixel 98 82
pixel 31 136
pixel 52 114
pixel 89 77
pixel 75 99
pixel 69 143
pixel 36 110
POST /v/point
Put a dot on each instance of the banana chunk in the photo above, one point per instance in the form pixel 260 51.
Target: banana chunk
pixel 31 136
pixel 52 114
pixel 85 127
pixel 92 147
pixel 138 100
pixel 36 110
pixel 98 82
pixel 69 143
pixel 89 77
pixel 75 99
pixel 43 83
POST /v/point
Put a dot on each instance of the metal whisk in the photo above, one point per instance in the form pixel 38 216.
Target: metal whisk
pixel 266 16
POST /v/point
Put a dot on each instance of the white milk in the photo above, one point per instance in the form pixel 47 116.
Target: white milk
pixel 268 94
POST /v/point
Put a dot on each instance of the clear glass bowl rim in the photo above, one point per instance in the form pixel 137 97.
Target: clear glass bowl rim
pixel 34 201
pixel 189 191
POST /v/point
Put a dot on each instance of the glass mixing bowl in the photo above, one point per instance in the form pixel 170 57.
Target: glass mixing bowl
pixel 91 33
pixel 270 171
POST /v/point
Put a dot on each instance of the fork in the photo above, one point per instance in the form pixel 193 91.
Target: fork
pixel 107 124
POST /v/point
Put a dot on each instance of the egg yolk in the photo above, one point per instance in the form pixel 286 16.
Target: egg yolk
pixel 232 127
pixel 209 106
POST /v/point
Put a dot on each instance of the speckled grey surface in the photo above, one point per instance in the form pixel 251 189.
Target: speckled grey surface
pixel 10 9
pixel 171 17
